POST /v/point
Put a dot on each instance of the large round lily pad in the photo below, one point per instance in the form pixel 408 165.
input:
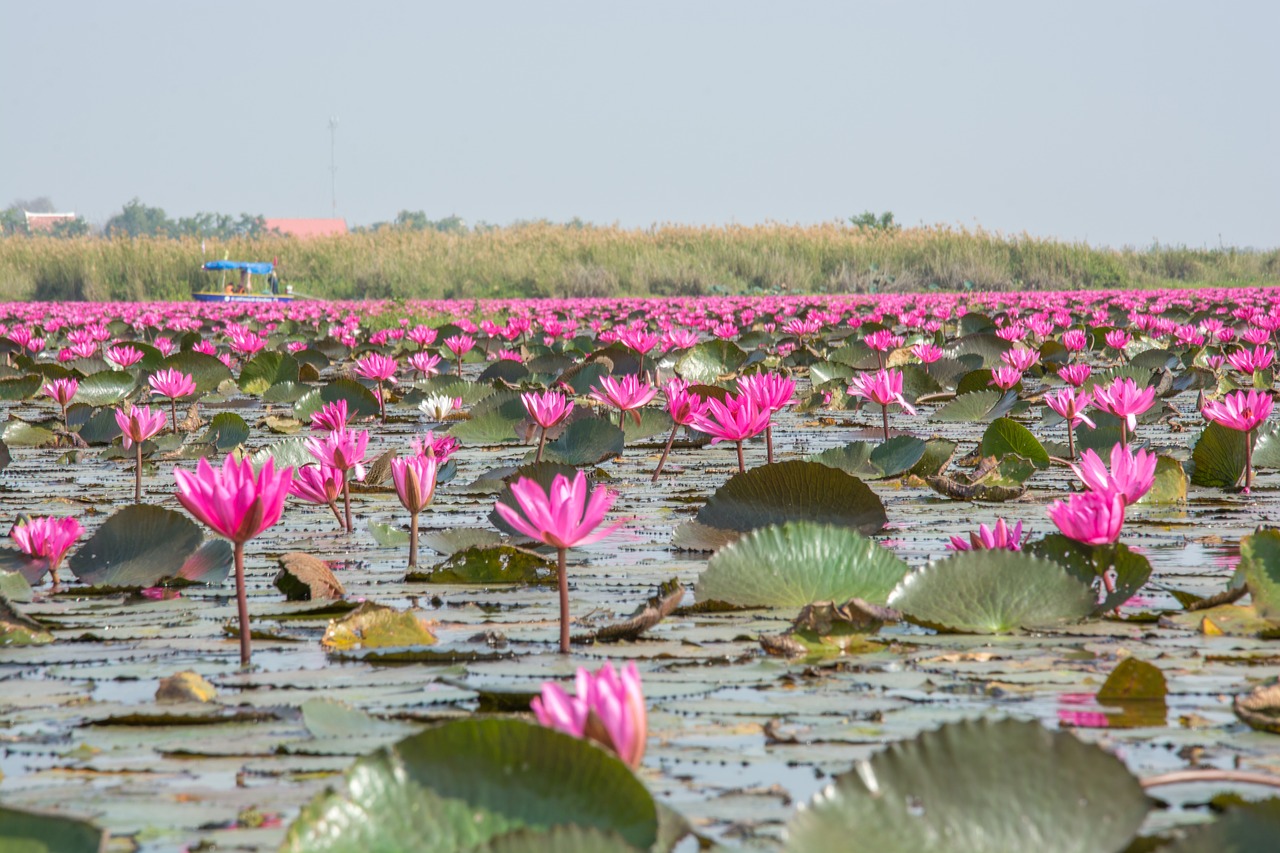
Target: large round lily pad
pixel 137 547
pixel 798 563
pixel 265 370
pixel 1218 457
pixel 105 388
pixel 874 461
pixel 30 832
pixel 456 786
pixel 793 491
pixel 207 372
pixel 992 592
pixel 978 786
pixel 585 441
pixel 1260 565
pixel 1006 437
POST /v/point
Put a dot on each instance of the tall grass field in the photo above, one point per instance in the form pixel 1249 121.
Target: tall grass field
pixel 568 261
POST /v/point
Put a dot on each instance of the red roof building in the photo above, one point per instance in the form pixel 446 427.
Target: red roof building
pixel 306 229
pixel 44 223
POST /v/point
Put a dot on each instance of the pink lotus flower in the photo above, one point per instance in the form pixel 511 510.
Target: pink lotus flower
pixel 47 538
pixel 321 485
pixel 735 419
pixel 423 336
pixel 375 367
pixel 1020 359
pixel 547 409
pixel 331 416
pixel 565 516
pixel 1074 375
pixel 607 708
pixel 1005 378
pixel 685 407
pixel 1239 410
pixel 1074 340
pixel 61 391
pixel 884 387
pixel 1244 411
pixel 1071 407
pixel 137 424
pixel 1093 518
pixel 992 538
pixel 882 340
pixel 1250 361
pixel 1131 475
pixel 1124 399
pixel 344 450
pixel 425 363
pixel 771 392
pixel 626 394
pixel 1117 339
pixel 171 383
pixel 460 345
pixel 238 503
pixel 927 353
pixel 124 355
pixel 678 339
pixel 415 481
pixel 246 342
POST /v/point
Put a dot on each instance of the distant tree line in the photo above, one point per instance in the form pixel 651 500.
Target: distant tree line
pixel 135 219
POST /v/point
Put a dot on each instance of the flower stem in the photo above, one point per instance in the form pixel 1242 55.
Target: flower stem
pixel 563 577
pixel 173 414
pixel 1071 441
pixel 346 500
pixel 333 505
pixel 884 420
pixel 242 604
pixel 382 404
pixel 665 451
pixel 1248 461
pixel 768 442
pixel 742 467
pixel 137 474
pixel 542 440
pixel 413 540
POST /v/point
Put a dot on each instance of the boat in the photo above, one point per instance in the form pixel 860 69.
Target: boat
pixel 242 291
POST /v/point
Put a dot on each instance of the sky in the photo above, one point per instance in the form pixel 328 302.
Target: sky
pixel 1122 122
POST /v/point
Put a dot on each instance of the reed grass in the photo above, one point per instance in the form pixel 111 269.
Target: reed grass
pixel 547 260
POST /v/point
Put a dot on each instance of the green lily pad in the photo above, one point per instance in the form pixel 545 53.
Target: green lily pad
pixel 285 392
pixel 226 430
pixel 266 369
pixel 710 361
pixel 19 433
pixel 360 400
pixel 18 629
pixel 976 406
pixel 1005 437
pixel 978 786
pixel 495 565
pixel 105 388
pixel 1087 563
pixel 14 585
pixel 1170 485
pixel 992 592
pixel 138 546
pixel 493 421
pixel 653 422
pixel 20 387
pixel 799 563
pixel 206 371
pixel 461 784
pixel 792 491
pixel 558 839
pixel 373 626
pixel 1218 457
pixel 585 441
pixel 1245 828
pixel 30 832
pixel 1260 566
pixel 453 540
pixel 289 453
pixel 101 428
pixel 869 461
pixel 1266 447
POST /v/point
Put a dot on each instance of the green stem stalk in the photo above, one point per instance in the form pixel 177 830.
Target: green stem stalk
pixel 563 577
pixel 242 604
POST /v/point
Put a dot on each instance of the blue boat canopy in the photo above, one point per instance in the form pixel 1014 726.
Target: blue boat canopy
pixel 256 268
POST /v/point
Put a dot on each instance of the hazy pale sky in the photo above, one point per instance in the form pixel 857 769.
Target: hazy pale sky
pixel 1116 122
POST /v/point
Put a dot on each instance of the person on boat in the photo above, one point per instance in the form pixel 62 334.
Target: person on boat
pixel 273 281
pixel 244 282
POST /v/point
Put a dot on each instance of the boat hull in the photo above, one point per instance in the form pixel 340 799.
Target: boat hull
pixel 241 297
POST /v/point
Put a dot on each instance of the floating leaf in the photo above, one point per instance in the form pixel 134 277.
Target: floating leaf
pixel 372 626
pixel 18 629
pixel 185 687
pixel 226 430
pixel 710 361
pixel 30 832
pixel 976 406
pixel 207 371
pixel 558 839
pixel 798 563
pixel 360 400
pixel 20 387
pixel 586 441
pixel 1170 485
pixel 1218 457
pixel 978 786
pixel 285 392
pixel 303 577
pixel 493 421
pixel 1005 437
pixel 266 369
pixel 138 546
pixel 1260 567
pixel 458 785
pixel 19 433
pixel 101 428
pixel 792 491
pixel 457 539
pixel 289 453
pixel 496 565
pixel 992 592
pixel 874 461
pixel 105 388
pixel 1130 571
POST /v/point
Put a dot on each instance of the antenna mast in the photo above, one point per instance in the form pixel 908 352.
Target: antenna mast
pixel 333 164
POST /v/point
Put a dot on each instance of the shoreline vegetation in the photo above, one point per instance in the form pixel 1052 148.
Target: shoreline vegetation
pixel 573 261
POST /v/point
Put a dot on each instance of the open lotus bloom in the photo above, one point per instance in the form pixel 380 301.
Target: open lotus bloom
pixel 607 708
pixel 1093 518
pixel 547 408
pixel 1131 474
pixel 47 538
pixel 234 501
pixel 1124 399
pixel 1240 410
pixel 564 516
pixel 883 387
